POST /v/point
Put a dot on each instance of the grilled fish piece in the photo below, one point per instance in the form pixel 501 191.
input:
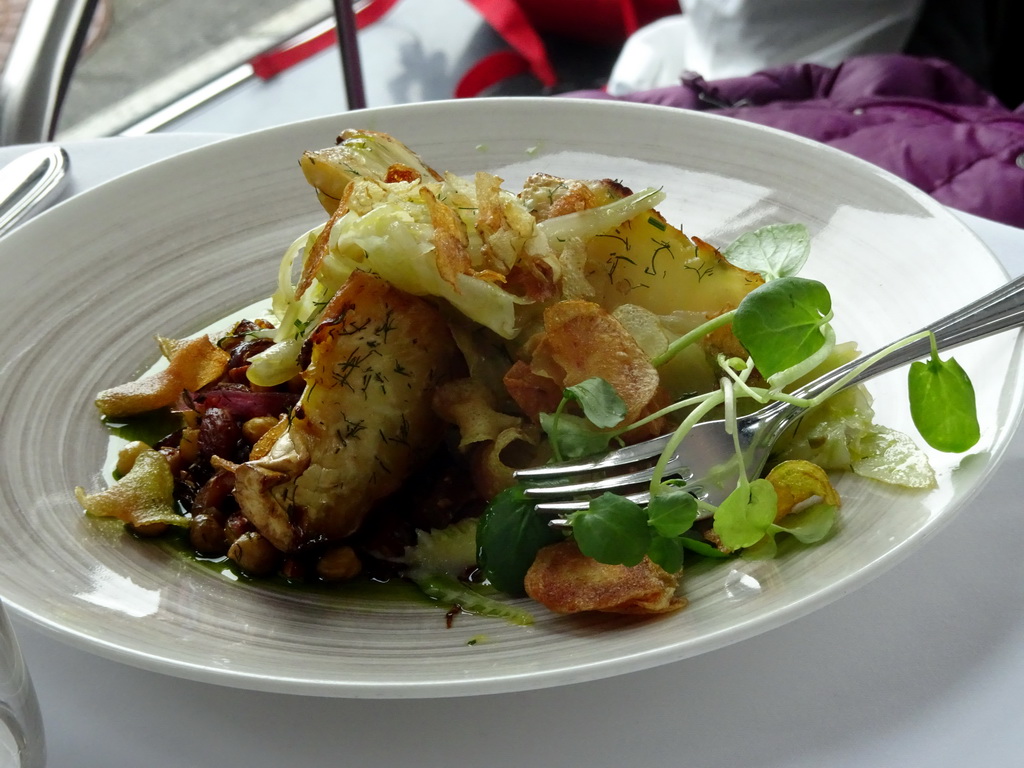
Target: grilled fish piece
pixel 364 420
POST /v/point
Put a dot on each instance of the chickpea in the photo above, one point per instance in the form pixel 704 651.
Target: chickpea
pixel 339 564
pixel 257 427
pixel 206 534
pixel 214 493
pixel 254 554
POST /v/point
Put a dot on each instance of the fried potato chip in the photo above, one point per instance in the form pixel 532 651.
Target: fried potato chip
pixel 470 406
pixel 490 276
pixel 502 236
pixel 143 497
pixel 490 215
pixel 127 455
pixel 566 581
pixel 534 394
pixel 573 261
pixel 451 243
pixel 191 365
pixel 722 340
pixel 587 342
pixel 263 445
pixel 494 461
pixel 533 279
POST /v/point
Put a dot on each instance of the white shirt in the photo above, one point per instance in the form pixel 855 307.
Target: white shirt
pixel 733 38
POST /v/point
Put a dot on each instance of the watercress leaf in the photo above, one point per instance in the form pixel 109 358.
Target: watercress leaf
pixel 809 525
pixel 574 437
pixel 508 537
pixel 743 518
pixel 666 552
pixel 613 530
pixel 942 404
pixel 780 323
pixel 672 511
pixel 600 402
pixel 774 251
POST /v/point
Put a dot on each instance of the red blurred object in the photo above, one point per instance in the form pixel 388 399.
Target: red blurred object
pixel 519 22
pixel 595 21
pixel 522 22
pixel 489 71
pixel 273 62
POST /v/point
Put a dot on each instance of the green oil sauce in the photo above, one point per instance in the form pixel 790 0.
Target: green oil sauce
pixel 361 588
pixel 149 427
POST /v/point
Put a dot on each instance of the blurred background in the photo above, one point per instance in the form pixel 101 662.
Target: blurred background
pixel 173 65
pixel 145 54
pixel 188 64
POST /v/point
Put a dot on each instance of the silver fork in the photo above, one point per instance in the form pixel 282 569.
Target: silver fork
pixel 706 461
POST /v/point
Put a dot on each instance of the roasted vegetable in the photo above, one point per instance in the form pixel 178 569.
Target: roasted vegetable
pixel 357 154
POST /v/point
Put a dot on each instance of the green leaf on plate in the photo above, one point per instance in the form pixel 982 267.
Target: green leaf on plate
pixel 743 518
pixel 612 530
pixel 780 323
pixel 508 537
pixel 600 402
pixel 774 251
pixel 942 404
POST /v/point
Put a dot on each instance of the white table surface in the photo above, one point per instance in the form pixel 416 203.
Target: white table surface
pixel 924 666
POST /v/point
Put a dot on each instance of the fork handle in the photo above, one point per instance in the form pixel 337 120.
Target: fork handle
pixel 999 310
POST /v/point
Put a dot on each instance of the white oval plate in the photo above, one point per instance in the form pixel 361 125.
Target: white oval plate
pixel 174 246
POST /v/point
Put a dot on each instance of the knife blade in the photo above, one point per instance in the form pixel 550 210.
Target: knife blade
pixel 27 181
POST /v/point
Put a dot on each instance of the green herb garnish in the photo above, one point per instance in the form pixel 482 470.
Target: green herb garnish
pixel 942 403
pixel 780 323
pixel 784 325
pixel 509 535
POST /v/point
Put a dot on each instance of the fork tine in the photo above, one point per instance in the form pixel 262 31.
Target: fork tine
pixel 575 505
pixel 618 459
pixel 603 484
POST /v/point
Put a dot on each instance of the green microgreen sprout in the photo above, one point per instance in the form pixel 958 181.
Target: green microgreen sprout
pixel 743 518
pixel 573 437
pixel 612 530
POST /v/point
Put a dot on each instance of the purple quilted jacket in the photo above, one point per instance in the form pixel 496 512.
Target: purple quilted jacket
pixel 921 119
